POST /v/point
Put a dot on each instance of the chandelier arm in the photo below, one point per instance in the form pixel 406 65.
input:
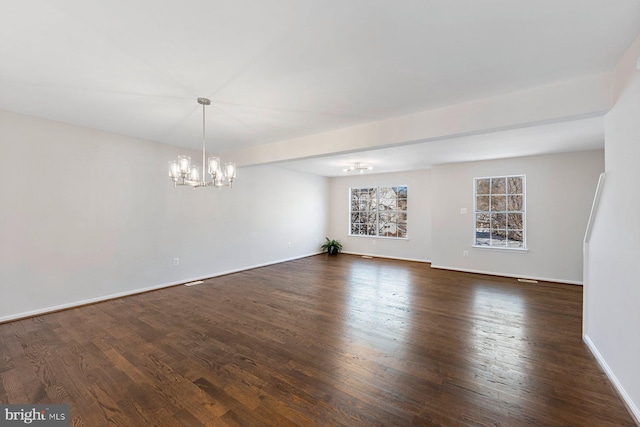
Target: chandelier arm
pixel 183 174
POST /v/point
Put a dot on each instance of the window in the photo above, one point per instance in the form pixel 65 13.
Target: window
pixel 378 211
pixel 500 212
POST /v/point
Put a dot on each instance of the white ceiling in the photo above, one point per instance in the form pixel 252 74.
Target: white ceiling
pixel 279 69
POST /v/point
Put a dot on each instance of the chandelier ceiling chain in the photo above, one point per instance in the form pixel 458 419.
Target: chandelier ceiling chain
pixel 182 172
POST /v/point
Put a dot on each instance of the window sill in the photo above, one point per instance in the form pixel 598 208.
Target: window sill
pixel 378 237
pixel 498 248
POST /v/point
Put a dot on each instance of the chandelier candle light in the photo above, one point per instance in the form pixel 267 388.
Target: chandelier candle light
pixel 357 167
pixel 182 172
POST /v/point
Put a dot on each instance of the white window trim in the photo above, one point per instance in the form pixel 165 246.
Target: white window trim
pixel 349 234
pixel 377 237
pixel 500 248
pixel 524 248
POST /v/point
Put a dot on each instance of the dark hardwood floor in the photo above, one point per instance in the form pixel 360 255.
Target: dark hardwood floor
pixel 343 341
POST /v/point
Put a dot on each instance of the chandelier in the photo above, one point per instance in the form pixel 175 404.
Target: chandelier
pixel 357 167
pixel 182 172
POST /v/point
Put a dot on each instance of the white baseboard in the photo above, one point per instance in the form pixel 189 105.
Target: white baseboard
pixel 494 273
pixel 251 267
pixel 387 257
pixel 73 304
pixel 635 412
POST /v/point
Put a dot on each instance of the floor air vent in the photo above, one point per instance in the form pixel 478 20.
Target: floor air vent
pixel 194 283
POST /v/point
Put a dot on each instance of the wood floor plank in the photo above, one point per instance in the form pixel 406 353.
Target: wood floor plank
pixel 341 341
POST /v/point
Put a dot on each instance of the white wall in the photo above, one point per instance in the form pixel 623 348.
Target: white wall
pixel 612 288
pixel 416 247
pixel 559 192
pixel 87 214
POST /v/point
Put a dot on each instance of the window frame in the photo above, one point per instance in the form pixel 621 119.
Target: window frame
pixel 377 212
pixel 523 211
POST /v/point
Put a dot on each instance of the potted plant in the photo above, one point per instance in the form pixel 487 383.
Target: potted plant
pixel 331 246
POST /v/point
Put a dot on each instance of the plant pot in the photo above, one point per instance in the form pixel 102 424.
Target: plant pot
pixel 333 251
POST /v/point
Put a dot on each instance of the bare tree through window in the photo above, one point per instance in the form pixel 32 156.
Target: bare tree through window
pixel 378 211
pixel 500 211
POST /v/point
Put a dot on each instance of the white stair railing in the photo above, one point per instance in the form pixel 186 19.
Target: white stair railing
pixel 585 251
pixel 594 208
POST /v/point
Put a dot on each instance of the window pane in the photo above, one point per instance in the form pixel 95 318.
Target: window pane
pixel 378 211
pixel 388 198
pixel 498 185
pixel 515 184
pixel 482 203
pixel 388 231
pixel 515 221
pixel 387 224
pixel 388 204
pixel 483 221
pixel 483 237
pixel 482 186
pixel 498 238
pixel 498 203
pixel 383 218
pixel 402 230
pixel 498 221
pixel 516 239
pixel 373 203
pixel 499 211
pixel 515 203
pixel 370 219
